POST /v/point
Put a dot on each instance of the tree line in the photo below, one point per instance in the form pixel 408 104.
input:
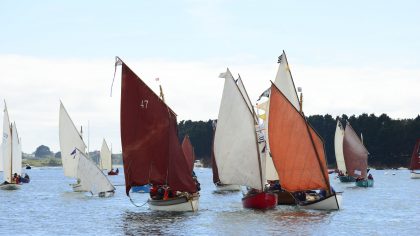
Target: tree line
pixel 389 141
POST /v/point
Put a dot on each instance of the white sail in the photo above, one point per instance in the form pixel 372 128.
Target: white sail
pixel 91 177
pixel 241 87
pixel 7 147
pixel 338 147
pixel 1 156
pixel 70 139
pixel 106 160
pixel 284 81
pixel 235 146
pixel 16 152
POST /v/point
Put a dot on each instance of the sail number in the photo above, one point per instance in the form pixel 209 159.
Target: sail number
pixel 144 103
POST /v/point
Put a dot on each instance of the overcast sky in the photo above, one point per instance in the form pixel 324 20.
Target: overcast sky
pixel 354 57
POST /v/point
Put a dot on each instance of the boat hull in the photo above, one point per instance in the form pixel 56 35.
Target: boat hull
pixel 285 198
pixel 365 183
pixel 228 188
pixel 415 175
pixel 263 201
pixel 106 194
pixel 25 180
pixel 9 186
pixel 332 202
pixel 141 189
pixel 77 188
pixel 177 204
pixel 346 179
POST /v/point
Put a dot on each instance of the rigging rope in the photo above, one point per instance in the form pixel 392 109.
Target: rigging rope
pixel 132 202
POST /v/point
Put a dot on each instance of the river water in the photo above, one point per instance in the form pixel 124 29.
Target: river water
pixel 47 206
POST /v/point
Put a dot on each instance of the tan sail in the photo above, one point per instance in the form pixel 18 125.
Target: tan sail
pixel 355 153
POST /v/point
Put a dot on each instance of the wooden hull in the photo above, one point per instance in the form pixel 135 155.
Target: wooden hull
pixel 228 188
pixel 9 186
pixel 365 183
pixel 263 201
pixel 415 175
pixel 285 198
pixel 332 202
pixel 346 179
pixel 141 189
pixel 176 204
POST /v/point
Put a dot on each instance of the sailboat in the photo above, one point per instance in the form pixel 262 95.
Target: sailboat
pixel 355 156
pixel 11 153
pixel 106 159
pixel 238 146
pixel 415 161
pixel 92 179
pixel 339 154
pixel 151 151
pixel 70 140
pixel 298 155
pixel 220 187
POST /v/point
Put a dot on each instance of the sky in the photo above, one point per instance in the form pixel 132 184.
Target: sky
pixel 349 57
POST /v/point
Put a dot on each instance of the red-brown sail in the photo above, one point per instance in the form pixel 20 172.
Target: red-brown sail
pixel 150 146
pixel 415 157
pixel 355 153
pixel 297 150
pixel 216 178
pixel 188 150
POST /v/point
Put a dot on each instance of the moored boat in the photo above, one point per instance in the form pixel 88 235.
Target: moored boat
pixel 151 150
pixel 106 159
pixel 415 161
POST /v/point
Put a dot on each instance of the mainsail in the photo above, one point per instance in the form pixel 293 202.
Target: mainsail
pixel 297 150
pixel 106 159
pixel 91 178
pixel 338 147
pixel 70 139
pixel 235 142
pixel 355 153
pixel 189 154
pixel 415 157
pixel 151 150
pixel 7 147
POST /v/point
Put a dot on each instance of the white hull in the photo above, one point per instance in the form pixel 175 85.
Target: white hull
pixel 9 186
pixel 106 194
pixel 415 175
pixel 331 203
pixel 228 187
pixel 189 205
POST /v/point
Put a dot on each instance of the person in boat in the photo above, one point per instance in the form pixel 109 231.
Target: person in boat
pixel 300 196
pixel 197 184
pixel 26 176
pixel 117 171
pixel 16 179
pixel 370 176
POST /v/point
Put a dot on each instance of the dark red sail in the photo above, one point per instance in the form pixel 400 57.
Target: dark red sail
pixel 188 150
pixel 213 159
pixel 355 153
pixel 415 157
pixel 150 148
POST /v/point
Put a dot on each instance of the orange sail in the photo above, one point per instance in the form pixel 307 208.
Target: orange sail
pixel 297 150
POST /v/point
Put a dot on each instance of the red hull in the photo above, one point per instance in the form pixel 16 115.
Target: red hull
pixel 260 201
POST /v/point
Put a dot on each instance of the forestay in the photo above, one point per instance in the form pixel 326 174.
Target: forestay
pixel 92 179
pixel 106 159
pixel 338 147
pixel 70 139
pixel 235 147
